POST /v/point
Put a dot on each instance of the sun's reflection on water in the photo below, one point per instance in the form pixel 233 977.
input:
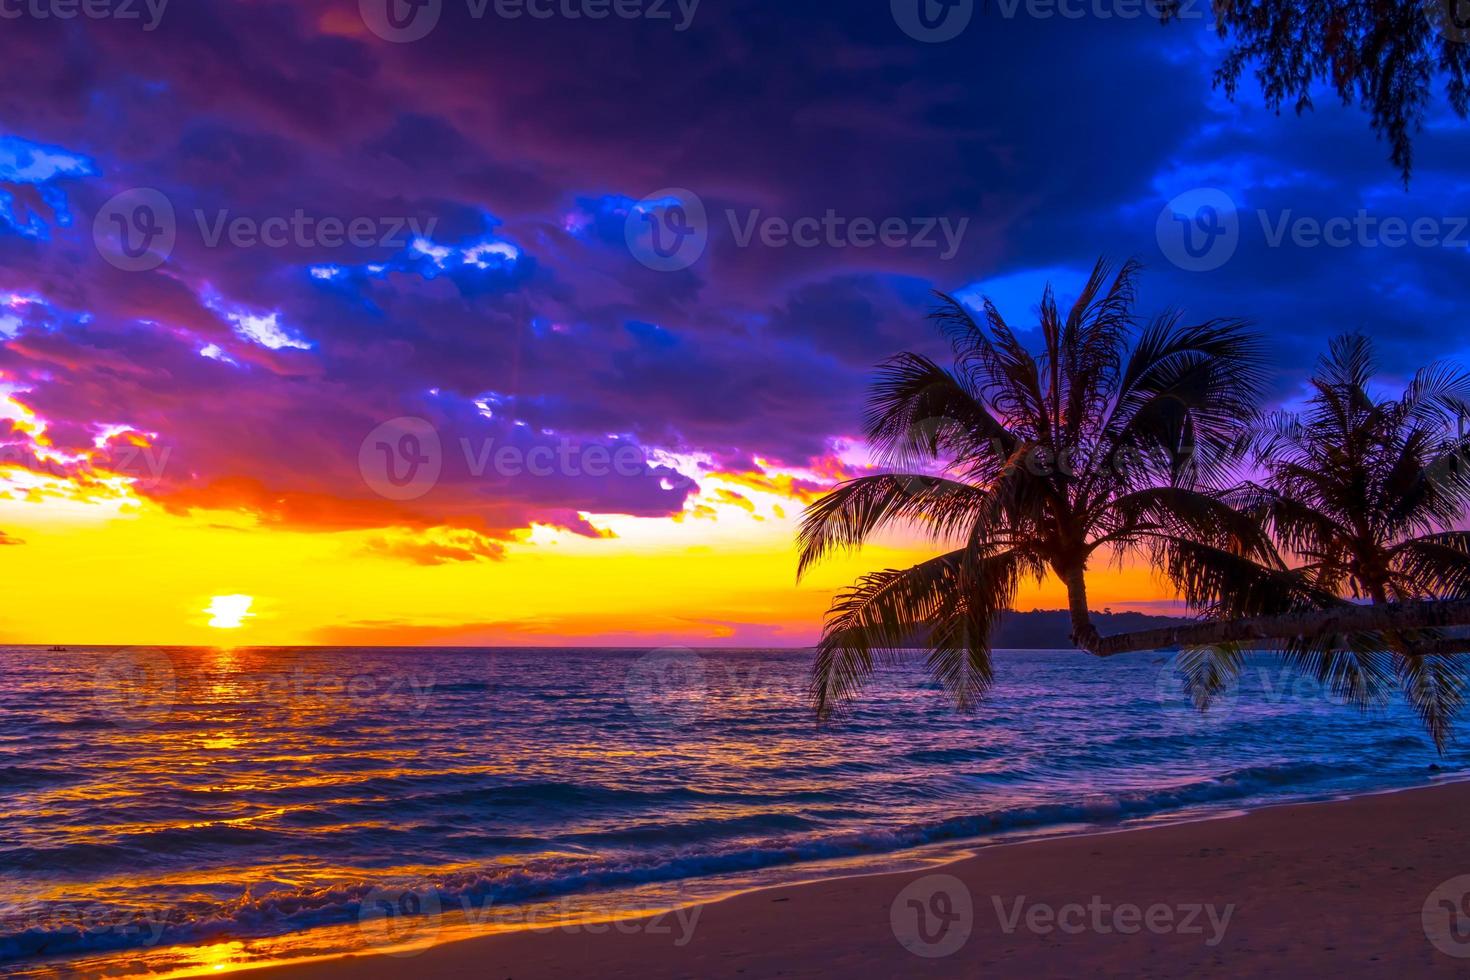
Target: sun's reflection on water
pixel 208 811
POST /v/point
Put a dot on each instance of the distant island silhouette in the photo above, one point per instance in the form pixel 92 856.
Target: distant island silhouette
pixel 1050 629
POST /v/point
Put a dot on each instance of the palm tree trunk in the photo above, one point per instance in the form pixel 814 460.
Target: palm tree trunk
pixel 1084 634
pixel 1268 629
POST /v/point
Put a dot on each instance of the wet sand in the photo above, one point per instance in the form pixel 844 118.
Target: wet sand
pixel 1335 888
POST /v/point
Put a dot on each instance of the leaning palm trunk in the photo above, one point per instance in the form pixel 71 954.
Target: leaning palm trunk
pixel 1270 630
pixel 1117 442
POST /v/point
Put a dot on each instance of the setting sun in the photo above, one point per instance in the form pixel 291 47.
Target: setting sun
pixel 229 612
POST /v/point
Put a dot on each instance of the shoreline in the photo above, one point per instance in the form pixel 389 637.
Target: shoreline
pixel 1284 888
pixel 477 827
pixel 404 938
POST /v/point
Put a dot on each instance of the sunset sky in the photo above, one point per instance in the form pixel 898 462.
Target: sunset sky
pixel 192 447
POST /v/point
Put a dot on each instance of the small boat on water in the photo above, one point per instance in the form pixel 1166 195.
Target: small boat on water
pixel 56 650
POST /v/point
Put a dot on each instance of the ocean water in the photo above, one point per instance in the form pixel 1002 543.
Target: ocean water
pixel 177 809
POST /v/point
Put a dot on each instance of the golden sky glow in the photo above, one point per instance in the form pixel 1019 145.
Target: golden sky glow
pixel 106 566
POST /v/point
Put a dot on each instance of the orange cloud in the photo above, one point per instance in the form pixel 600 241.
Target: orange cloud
pixel 438 546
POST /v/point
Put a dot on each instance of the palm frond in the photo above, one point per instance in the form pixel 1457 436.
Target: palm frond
pixel 919 413
pixel 1208 672
pixel 1189 392
pixel 1218 584
pixel 1348 366
pixel 1090 341
pixel 1436 565
pixel 950 603
pixel 1206 518
pixel 1434 686
pixel 1437 394
pixel 998 365
pixel 1357 668
pixel 1314 538
pixel 844 519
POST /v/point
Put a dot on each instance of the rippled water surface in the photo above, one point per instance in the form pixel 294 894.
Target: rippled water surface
pixel 171 809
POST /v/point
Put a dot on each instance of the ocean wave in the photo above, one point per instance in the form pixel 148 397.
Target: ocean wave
pixel 954 754
pixel 13 779
pixel 72 857
pixel 535 778
pixel 462 687
pixel 280 911
pixel 83 723
pixel 470 789
pixel 678 832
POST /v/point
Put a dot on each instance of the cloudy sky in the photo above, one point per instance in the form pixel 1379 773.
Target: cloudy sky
pixel 329 322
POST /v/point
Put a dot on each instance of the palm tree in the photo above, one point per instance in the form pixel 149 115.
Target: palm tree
pixel 1366 494
pixel 1363 491
pixel 1114 440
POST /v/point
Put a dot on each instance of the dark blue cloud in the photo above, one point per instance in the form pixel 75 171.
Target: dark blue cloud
pixel 522 146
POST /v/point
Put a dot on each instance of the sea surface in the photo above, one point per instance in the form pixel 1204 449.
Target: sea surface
pixel 169 810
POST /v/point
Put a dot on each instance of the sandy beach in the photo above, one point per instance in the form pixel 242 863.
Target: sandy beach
pixel 1308 889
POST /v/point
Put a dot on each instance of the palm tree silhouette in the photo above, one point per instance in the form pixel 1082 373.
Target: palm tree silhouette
pixel 1114 440
pixel 1365 493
